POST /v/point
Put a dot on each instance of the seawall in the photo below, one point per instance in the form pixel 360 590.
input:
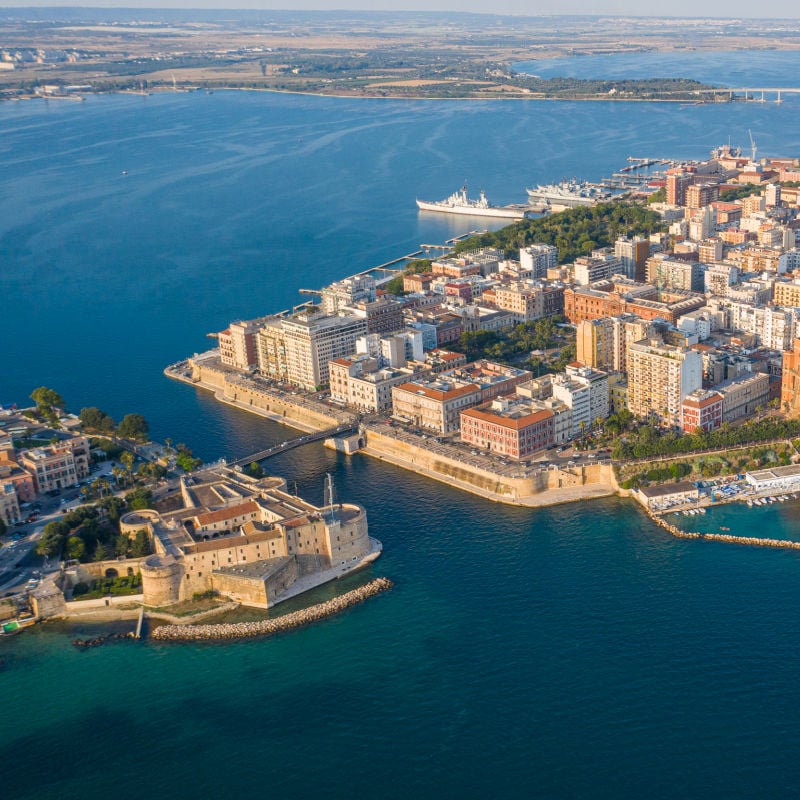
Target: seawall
pixel 268 627
pixel 229 386
pixel 543 487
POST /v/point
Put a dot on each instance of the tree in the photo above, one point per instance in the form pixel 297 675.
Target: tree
pixel 75 547
pixel 97 420
pixel 53 537
pixel 3 527
pixel 186 460
pixel 47 399
pixel 139 498
pixel 127 459
pixel 140 545
pixel 134 426
pixel 101 552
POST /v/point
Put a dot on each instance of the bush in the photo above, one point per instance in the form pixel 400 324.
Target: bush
pixel 80 588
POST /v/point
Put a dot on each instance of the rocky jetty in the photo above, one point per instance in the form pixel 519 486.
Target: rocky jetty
pixel 268 627
pixel 752 541
pixel 98 640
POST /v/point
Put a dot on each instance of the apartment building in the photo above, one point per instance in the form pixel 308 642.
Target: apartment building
pixel 537 259
pixel 238 344
pixel 660 375
pixel 299 348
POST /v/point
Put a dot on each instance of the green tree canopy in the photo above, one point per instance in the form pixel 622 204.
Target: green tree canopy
pixel 47 399
pixel 53 537
pixel 185 458
pixel 97 420
pixel 134 426
pixel 139 498
pixel 75 547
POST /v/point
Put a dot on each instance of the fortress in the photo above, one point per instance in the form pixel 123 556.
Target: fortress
pixel 246 539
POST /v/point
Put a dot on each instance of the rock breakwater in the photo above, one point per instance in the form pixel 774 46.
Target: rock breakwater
pixel 268 627
pixel 752 541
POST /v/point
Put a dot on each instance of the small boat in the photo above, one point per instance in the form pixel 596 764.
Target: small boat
pixel 724 528
pixel 10 628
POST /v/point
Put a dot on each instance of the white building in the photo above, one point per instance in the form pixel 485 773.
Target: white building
pixel 775 479
pixel 537 259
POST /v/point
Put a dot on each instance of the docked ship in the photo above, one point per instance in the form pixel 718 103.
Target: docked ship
pixel 459 203
pixel 568 194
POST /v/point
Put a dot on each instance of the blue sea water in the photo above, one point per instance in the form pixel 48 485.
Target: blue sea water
pixel 733 68
pixel 576 651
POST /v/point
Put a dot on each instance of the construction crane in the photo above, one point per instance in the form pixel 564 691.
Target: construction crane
pixel 753 148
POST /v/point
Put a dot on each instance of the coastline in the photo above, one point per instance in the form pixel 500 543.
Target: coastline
pixel 512 485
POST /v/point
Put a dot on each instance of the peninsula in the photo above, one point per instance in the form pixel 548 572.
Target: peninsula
pixel 67 53
pixel 518 364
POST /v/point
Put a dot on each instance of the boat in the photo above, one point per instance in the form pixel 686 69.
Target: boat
pixel 10 628
pixel 459 203
pixel 724 528
pixel 568 194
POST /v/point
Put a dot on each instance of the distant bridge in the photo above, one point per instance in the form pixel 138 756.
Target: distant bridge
pixel 291 444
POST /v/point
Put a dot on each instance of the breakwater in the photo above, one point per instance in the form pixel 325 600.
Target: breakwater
pixel 268 627
pixel 752 541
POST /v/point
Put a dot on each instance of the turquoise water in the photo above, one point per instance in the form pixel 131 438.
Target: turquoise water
pixel 567 652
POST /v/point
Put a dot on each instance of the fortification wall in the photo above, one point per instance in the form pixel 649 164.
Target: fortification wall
pixel 282 409
pixel 545 487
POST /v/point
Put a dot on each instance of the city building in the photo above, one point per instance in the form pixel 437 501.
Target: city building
pixel 527 301
pixel 21 479
pixel 660 376
pixel 384 315
pixel 701 409
pixel 238 346
pixel 59 465
pixel 509 427
pixel 434 404
pixel 356 289
pixel 537 259
pixel 585 391
pixel 790 381
pixel 743 395
pixel 361 382
pixel 699 195
pixel 298 349
pixel 775 479
pixel 671 273
pixel 619 295
pixel 633 254
pixel 9 504
pixel 492 379
pixel 677 184
pixel 479 262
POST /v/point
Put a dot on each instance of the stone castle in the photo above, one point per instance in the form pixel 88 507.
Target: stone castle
pixel 247 539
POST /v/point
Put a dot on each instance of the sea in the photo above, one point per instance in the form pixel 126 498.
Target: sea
pixel 567 652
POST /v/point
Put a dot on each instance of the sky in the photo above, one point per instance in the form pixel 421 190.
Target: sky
pixel 783 9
